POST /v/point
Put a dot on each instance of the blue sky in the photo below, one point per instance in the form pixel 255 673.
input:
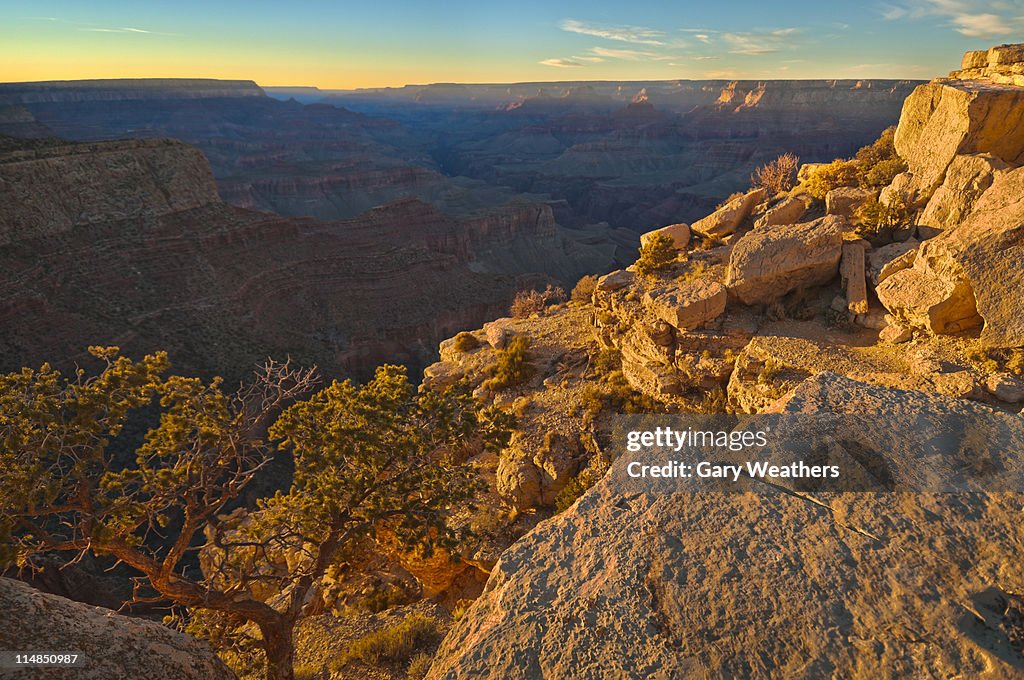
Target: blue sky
pixel 394 42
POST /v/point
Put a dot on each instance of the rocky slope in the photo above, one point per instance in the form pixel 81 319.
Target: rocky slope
pixel 783 304
pixel 112 647
pixel 126 243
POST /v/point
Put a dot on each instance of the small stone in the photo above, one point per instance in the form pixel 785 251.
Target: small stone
pixel 1005 387
pixel 895 334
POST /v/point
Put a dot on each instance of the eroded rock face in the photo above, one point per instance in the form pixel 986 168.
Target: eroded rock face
pixel 688 305
pixel 726 219
pixel 941 120
pixel 967 178
pixel 934 294
pixel 644 585
pixel 971 274
pixel 767 263
pixel 885 261
pixel 113 646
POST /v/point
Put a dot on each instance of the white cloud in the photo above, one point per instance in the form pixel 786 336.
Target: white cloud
pixel 589 60
pixel 118 30
pixel 973 18
pixel 630 34
pixel 981 25
pixel 560 63
pixel 756 43
pixel 632 55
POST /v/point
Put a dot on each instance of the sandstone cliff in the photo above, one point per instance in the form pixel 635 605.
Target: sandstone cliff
pixel 112 647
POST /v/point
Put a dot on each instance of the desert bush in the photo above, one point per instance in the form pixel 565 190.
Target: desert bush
pixel 466 342
pixel 882 173
pixel 607 360
pixel 584 289
pixel 838 173
pixel 874 216
pixel 391 645
pixel 419 666
pixel 778 175
pixel 614 393
pixel 659 252
pixel 579 484
pixel 529 302
pixel 511 366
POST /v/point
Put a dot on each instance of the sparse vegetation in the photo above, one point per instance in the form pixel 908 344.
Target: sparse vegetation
pixel 875 217
pixel 530 302
pixel 419 666
pixel 730 198
pixel 466 342
pixel 659 252
pixel 838 173
pixel 714 401
pixel 606 361
pixel 391 645
pixel 993 360
pixel 615 394
pixel 778 175
pixel 874 166
pixel 584 289
pixel 579 484
pixel 511 366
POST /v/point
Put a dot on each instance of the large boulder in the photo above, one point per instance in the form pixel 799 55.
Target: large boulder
pixel 846 201
pixel 769 262
pixel 941 120
pixel 967 178
pixel 971 274
pixel 934 294
pixel 111 646
pixel 726 219
pixel 679 233
pixel 885 261
pixel 687 305
pixel 787 211
pixel 636 583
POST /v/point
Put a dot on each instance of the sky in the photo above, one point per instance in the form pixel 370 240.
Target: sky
pixel 343 44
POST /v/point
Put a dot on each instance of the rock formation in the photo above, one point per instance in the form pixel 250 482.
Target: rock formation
pixel 126 243
pixel 672 585
pixel 769 262
pixel 111 646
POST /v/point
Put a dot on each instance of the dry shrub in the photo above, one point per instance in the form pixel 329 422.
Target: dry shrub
pixel 511 366
pixel 584 290
pixel 778 175
pixel 466 342
pixel 529 302
pixel 391 645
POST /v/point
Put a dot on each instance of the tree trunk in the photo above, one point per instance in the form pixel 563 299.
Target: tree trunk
pixel 278 643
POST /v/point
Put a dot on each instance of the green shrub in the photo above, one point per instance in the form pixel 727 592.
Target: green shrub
pixel 391 645
pixel 874 216
pixel 838 173
pixel 778 175
pixel 659 252
pixel 512 365
pixel 578 485
pixel 466 342
pixel 584 290
pixel 882 173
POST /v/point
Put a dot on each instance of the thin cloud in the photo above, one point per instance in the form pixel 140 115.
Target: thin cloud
pixel 972 18
pixel 589 60
pixel 629 34
pixel 120 30
pixel 756 43
pixel 560 63
pixel 631 55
